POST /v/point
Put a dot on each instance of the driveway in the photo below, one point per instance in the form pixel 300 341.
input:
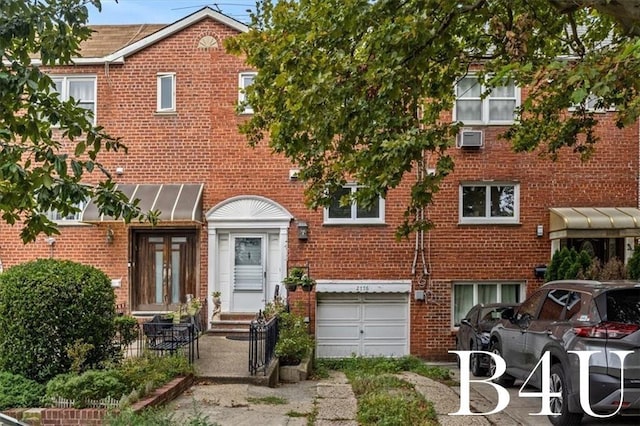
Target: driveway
pixel 484 398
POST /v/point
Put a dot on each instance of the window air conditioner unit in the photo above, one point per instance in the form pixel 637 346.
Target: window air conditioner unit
pixel 470 138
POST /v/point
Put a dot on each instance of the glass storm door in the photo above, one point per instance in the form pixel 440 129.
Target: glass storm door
pixel 165 271
pixel 249 272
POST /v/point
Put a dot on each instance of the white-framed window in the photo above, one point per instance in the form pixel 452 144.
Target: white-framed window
pixel 166 92
pixel 70 219
pixel 590 105
pixel 353 213
pixel 245 80
pixel 468 294
pixel 494 202
pixel 82 88
pixel 497 107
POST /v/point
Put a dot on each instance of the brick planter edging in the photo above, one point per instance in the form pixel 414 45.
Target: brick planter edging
pixel 95 416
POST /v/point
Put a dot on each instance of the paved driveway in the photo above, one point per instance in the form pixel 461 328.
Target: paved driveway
pixel 484 398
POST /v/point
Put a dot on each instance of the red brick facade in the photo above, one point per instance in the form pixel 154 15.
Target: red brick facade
pixel 200 143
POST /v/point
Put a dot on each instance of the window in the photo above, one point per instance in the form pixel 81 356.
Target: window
pixel 498 107
pixel 246 80
pixel 489 203
pixel 466 295
pixel 82 89
pixel 166 92
pixel 353 213
pixel 590 105
pixel 70 218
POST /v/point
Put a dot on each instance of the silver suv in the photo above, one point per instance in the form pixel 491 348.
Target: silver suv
pixel 581 316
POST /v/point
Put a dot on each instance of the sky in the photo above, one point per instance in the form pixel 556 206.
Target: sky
pixel 164 11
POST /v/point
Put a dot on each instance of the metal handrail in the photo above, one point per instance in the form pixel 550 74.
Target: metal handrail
pixel 263 336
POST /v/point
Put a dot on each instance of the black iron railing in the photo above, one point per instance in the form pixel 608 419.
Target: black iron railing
pixel 263 336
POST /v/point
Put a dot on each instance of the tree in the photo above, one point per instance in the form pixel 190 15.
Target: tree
pixel 358 89
pixel 37 171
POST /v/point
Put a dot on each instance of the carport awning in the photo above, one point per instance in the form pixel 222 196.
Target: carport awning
pixel 176 202
pixel 594 222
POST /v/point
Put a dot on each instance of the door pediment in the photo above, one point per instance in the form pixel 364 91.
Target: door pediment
pixel 237 212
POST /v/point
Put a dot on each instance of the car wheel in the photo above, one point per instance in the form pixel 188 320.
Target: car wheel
pixel 476 369
pixel 505 380
pixel 559 404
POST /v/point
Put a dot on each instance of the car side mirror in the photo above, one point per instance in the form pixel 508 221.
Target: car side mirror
pixel 465 321
pixel 508 314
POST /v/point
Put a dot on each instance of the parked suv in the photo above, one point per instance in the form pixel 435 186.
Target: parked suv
pixel 581 316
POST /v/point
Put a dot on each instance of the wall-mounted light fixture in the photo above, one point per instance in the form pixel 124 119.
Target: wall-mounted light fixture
pixel 303 231
pixel 539 230
pixel 110 235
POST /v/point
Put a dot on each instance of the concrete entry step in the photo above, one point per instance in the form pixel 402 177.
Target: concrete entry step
pixel 231 323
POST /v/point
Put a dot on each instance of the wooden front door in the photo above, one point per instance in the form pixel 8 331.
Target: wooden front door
pixel 164 269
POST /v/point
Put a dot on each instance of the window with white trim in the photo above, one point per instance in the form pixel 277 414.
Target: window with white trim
pixel 590 104
pixel 489 203
pixel 166 99
pixel 468 294
pixel 71 218
pixel 352 213
pixel 245 80
pixel 81 89
pixel 497 107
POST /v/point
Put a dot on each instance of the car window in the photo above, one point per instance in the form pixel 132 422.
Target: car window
pixel 574 305
pixel 529 307
pixel 624 306
pixel 553 305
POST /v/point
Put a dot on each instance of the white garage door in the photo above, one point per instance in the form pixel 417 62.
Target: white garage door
pixel 362 324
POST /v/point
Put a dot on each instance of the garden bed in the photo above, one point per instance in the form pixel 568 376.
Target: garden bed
pixel 95 416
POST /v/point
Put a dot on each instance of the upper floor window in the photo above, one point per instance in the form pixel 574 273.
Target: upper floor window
pixel 468 294
pixel 246 80
pixel 70 218
pixel 592 103
pixel 353 213
pixel 166 92
pixel 81 89
pixel 489 203
pixel 497 107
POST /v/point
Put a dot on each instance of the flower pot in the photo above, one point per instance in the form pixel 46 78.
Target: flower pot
pixel 307 288
pixel 291 287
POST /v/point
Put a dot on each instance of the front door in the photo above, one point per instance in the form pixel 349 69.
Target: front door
pixel 248 272
pixel 164 271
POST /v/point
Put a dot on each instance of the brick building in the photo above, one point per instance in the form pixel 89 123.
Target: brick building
pixel 233 218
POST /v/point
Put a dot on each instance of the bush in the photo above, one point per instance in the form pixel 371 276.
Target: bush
pixel 633 266
pixel 18 391
pixel 126 329
pixel 294 341
pixel 150 372
pixel 48 307
pixel 93 384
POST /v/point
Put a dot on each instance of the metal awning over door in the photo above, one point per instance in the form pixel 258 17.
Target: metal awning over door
pixel 176 202
pixel 594 222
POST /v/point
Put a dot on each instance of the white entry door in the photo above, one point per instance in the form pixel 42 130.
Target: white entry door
pixel 248 272
pixel 374 324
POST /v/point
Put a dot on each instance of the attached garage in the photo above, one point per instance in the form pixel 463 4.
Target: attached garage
pixel 362 324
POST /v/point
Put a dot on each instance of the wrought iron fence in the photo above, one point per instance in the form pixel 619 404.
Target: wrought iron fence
pixel 263 336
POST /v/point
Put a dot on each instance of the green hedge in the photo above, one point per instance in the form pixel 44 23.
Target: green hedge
pixel 18 391
pixel 49 307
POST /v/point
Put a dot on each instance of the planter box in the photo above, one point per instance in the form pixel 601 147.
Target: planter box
pixel 296 373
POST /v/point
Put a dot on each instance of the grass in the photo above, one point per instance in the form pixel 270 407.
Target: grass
pixel 155 417
pixel 383 398
pixel 268 400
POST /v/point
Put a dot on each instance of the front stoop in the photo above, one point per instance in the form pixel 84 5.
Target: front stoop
pixel 231 323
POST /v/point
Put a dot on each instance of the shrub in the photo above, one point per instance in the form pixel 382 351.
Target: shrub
pixel 93 384
pixel 294 341
pixel 567 264
pixel 18 391
pixel 126 329
pixel 150 372
pixel 46 308
pixel 633 266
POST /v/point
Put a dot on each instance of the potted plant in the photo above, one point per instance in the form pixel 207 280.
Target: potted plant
pixel 216 298
pixel 298 277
